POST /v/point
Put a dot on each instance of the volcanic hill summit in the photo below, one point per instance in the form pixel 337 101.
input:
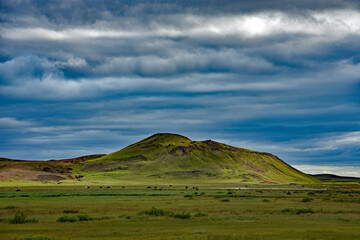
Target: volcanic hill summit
pixel 172 156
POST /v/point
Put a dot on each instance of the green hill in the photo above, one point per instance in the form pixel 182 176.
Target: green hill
pixel 172 156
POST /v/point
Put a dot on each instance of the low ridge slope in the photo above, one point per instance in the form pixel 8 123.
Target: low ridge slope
pixel 44 171
pixel 165 155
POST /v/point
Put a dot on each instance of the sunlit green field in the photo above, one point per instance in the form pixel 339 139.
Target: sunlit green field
pixel 174 212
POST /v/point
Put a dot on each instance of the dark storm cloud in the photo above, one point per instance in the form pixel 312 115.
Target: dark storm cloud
pixel 80 77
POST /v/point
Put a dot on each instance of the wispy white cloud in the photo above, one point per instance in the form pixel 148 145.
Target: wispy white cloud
pixel 333 142
pixel 353 171
pixel 347 139
pixel 8 122
pixel 72 63
pixel 52 84
pixel 68 34
pixel 183 61
pixel 329 24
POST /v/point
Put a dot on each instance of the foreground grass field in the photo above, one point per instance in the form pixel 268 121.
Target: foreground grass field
pixel 179 212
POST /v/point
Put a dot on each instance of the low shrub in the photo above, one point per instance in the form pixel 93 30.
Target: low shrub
pixel 182 215
pixel 84 218
pixel 298 211
pixel 266 200
pixel 286 210
pixel 225 200
pixel 160 212
pixel 304 210
pixel 70 211
pixel 20 218
pixel 188 195
pixel 67 219
pixel 307 199
pixel 156 212
pixel 201 214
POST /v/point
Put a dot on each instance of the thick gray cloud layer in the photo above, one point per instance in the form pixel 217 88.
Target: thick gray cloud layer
pixel 78 77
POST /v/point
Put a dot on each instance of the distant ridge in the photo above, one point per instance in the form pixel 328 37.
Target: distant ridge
pixel 333 176
pixel 82 158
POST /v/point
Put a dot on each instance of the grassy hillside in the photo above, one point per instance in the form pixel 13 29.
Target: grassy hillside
pixel 172 156
pixel 160 159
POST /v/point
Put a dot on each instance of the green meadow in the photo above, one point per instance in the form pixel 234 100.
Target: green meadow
pixel 216 212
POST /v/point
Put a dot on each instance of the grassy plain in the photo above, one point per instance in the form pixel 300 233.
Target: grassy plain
pixel 216 212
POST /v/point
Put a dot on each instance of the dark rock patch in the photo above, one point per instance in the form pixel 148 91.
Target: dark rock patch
pixel 183 150
pixel 44 178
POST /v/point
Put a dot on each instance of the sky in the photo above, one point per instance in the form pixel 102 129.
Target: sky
pixel 86 77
